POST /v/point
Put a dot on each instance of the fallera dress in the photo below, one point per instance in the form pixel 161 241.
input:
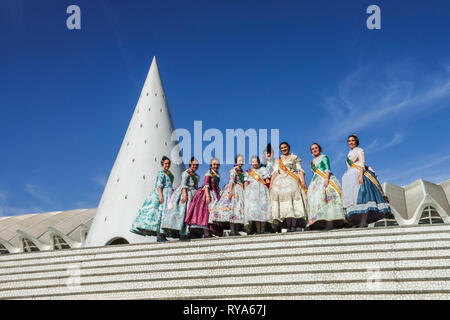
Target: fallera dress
pixel 365 198
pixel 325 204
pixel 173 218
pixel 257 197
pixel 288 199
pixel 231 211
pixel 151 212
pixel 197 215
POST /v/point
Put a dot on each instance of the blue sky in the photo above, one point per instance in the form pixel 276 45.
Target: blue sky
pixel 309 68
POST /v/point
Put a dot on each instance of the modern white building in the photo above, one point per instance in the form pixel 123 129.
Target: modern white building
pixel 147 140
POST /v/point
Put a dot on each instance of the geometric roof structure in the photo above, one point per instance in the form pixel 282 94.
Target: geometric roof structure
pixel 410 203
pixel 40 229
pixel 149 137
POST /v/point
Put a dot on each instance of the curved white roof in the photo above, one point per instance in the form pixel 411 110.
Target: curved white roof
pixel 36 225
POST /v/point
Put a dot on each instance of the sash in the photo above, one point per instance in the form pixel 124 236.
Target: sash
pixel 216 179
pixel 240 174
pixel 170 175
pixel 324 176
pixel 193 177
pixel 366 173
pixel 293 175
pixel 255 176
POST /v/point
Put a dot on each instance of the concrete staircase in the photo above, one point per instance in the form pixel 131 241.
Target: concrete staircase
pixel 376 263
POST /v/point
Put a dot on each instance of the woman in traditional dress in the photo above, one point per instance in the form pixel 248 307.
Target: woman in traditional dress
pixel 268 159
pixel 363 197
pixel 197 215
pixel 257 197
pixel 229 210
pixel 324 194
pixel 173 219
pixel 288 190
pixel 148 221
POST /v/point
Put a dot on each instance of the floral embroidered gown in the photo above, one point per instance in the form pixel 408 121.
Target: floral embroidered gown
pixel 257 197
pixel 231 211
pixel 197 215
pixel 325 204
pixel 365 198
pixel 287 198
pixel 151 212
pixel 173 219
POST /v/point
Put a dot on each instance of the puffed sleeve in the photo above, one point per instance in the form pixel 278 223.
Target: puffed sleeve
pixel 298 164
pixel 184 180
pixel 207 181
pixel 326 164
pixel 160 179
pixel 361 157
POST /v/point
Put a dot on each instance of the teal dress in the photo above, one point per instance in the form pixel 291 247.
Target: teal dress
pixel 173 218
pixel 325 204
pixel 149 218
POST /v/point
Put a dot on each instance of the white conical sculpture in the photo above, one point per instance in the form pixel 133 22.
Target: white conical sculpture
pixel 133 175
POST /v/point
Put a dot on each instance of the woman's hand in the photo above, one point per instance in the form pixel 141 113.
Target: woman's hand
pixel 326 182
pixel 360 177
pixel 208 199
pixel 230 196
pixel 161 200
pixel 184 199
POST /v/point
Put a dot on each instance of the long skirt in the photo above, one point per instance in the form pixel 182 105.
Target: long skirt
pixel 197 215
pixel 173 218
pixel 151 212
pixel 256 204
pixel 325 204
pixel 229 211
pixel 287 199
pixel 362 199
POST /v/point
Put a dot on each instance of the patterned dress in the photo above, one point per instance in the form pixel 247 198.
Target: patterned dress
pixel 325 204
pixel 197 215
pixel 359 199
pixel 231 211
pixel 173 218
pixel 287 198
pixel 257 197
pixel 151 212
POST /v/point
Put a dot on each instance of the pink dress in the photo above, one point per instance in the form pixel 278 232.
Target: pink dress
pixel 197 215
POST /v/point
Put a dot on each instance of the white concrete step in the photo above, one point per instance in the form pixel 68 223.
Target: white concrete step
pixel 304 247
pixel 254 257
pixel 341 234
pixel 234 268
pixel 351 263
pixel 242 289
pixel 362 272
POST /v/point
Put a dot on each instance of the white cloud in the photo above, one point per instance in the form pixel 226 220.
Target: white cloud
pixel 438 175
pixel 369 97
pixel 38 194
pixel 375 145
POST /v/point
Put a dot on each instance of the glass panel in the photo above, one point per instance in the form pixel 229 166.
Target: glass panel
pixel 437 220
pixel 59 243
pixel 381 223
pixel 3 249
pixel 29 246
pixel 424 221
pixel 391 222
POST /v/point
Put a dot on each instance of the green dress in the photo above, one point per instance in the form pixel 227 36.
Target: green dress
pixel 150 215
pixel 325 204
